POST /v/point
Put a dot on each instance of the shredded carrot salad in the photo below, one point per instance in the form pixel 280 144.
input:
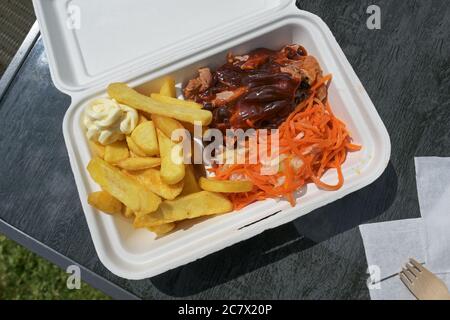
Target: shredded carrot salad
pixel 311 141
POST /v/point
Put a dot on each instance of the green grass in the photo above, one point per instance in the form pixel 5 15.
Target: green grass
pixel 24 275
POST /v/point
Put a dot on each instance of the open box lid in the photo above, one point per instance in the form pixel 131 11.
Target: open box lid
pixel 92 42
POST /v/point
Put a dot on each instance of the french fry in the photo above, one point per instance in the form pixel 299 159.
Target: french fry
pixel 144 135
pixel 190 181
pixel 190 127
pixel 172 166
pixel 142 118
pixel 134 164
pixel 225 186
pixel 195 205
pixel 151 178
pixel 127 212
pixel 105 202
pixel 168 87
pixel 123 187
pixel 167 126
pixel 162 229
pixel 176 102
pixel 134 147
pixel 126 95
pixel 116 152
pixel 97 149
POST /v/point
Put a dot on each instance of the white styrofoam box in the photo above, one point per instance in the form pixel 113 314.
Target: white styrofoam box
pixel 90 41
pixel 137 254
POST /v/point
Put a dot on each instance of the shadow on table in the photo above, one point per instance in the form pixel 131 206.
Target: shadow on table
pixel 276 244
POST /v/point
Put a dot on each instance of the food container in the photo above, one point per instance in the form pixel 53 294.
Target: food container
pixel 93 43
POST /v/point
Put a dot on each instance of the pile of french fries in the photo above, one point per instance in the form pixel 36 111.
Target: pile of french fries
pixel 140 178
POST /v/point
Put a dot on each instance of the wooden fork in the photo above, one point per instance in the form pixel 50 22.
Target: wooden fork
pixel 423 284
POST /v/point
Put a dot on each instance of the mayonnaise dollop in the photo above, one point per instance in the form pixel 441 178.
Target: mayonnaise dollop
pixel 107 121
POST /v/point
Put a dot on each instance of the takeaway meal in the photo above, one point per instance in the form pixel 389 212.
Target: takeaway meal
pixel 140 143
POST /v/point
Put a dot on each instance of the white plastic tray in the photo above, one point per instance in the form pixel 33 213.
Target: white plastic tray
pixel 137 254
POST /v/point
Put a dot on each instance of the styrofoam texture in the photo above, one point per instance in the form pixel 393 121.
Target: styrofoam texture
pixel 88 41
pixel 137 254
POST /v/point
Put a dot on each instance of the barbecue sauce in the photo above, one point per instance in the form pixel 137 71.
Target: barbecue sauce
pixel 258 94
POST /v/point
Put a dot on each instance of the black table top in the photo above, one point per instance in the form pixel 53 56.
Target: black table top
pixel 405 69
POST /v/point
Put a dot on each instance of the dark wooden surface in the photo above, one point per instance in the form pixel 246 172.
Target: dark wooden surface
pixel 405 69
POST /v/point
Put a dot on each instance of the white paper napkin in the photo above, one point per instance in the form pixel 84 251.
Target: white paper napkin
pixel 389 245
pixel 394 289
pixel 433 189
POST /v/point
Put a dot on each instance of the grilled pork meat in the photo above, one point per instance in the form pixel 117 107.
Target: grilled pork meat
pixel 257 90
